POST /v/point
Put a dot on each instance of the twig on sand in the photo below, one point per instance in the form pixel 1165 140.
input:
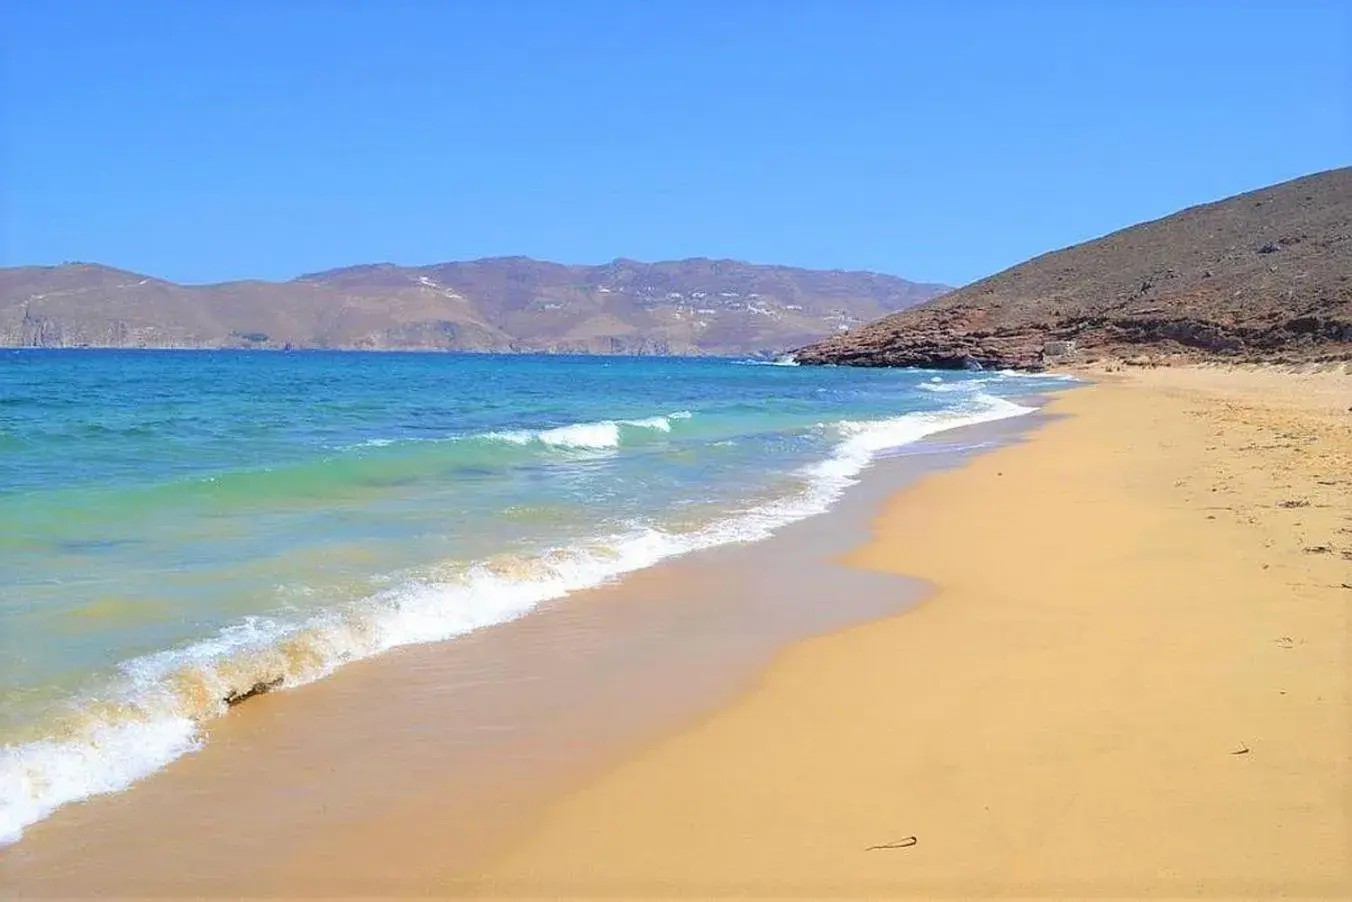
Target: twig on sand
pixel 899 844
pixel 1242 750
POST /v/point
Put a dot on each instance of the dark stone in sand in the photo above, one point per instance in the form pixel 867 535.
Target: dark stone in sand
pixel 259 688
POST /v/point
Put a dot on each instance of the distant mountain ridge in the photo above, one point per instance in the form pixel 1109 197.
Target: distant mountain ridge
pixel 696 306
pixel 1261 276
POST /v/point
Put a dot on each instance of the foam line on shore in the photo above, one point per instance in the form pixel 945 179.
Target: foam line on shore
pixel 152 712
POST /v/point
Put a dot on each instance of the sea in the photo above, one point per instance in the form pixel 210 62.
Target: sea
pixel 180 529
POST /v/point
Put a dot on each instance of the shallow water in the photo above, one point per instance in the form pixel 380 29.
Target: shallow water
pixel 176 527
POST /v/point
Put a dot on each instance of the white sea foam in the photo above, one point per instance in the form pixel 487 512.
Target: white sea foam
pixel 785 360
pixel 589 436
pixel 155 713
pixel 661 424
pixel 975 384
pixel 582 435
pixel 38 777
pixel 597 435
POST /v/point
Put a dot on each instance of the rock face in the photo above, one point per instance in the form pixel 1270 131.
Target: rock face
pixel 1261 276
pixel 503 304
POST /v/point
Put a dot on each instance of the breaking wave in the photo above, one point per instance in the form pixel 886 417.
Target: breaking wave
pixel 601 434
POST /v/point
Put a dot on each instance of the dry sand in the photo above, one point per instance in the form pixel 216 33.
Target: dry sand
pixel 1131 681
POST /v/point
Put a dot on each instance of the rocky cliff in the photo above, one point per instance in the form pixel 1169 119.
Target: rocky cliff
pixel 503 304
pixel 1265 275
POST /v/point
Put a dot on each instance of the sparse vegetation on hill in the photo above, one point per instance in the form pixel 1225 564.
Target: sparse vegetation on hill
pixel 1265 275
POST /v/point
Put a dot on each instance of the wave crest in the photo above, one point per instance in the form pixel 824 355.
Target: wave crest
pixel 603 434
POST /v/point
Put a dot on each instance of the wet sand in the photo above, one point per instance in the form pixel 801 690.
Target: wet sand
pixel 1132 682
pixel 398 774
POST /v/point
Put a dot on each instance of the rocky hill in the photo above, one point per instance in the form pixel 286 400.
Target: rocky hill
pixel 1265 275
pixel 502 304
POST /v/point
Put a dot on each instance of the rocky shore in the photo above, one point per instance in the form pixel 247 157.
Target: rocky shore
pixel 1263 276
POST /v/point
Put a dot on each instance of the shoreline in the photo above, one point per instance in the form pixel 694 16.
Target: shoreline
pixel 513 707
pixel 150 708
pixel 1135 685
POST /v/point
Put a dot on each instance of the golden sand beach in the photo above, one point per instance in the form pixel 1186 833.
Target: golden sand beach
pixel 1130 681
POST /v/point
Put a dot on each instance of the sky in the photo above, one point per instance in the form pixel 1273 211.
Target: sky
pixel 936 141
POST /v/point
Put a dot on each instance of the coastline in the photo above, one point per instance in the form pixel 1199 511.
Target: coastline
pixel 1133 682
pixel 480 731
pixel 376 528
pixel 1155 707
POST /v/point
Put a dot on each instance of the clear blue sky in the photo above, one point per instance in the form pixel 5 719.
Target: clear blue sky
pixel 937 141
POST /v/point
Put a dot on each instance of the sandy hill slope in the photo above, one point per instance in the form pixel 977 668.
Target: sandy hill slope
pixel 1265 275
pixel 694 306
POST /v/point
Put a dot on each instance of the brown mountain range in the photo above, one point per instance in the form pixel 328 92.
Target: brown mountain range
pixel 1263 276
pixel 694 306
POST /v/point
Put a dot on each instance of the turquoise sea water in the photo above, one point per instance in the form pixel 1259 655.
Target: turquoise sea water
pixel 177 527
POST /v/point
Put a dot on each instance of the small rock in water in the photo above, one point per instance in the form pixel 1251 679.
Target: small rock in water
pixel 235 697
